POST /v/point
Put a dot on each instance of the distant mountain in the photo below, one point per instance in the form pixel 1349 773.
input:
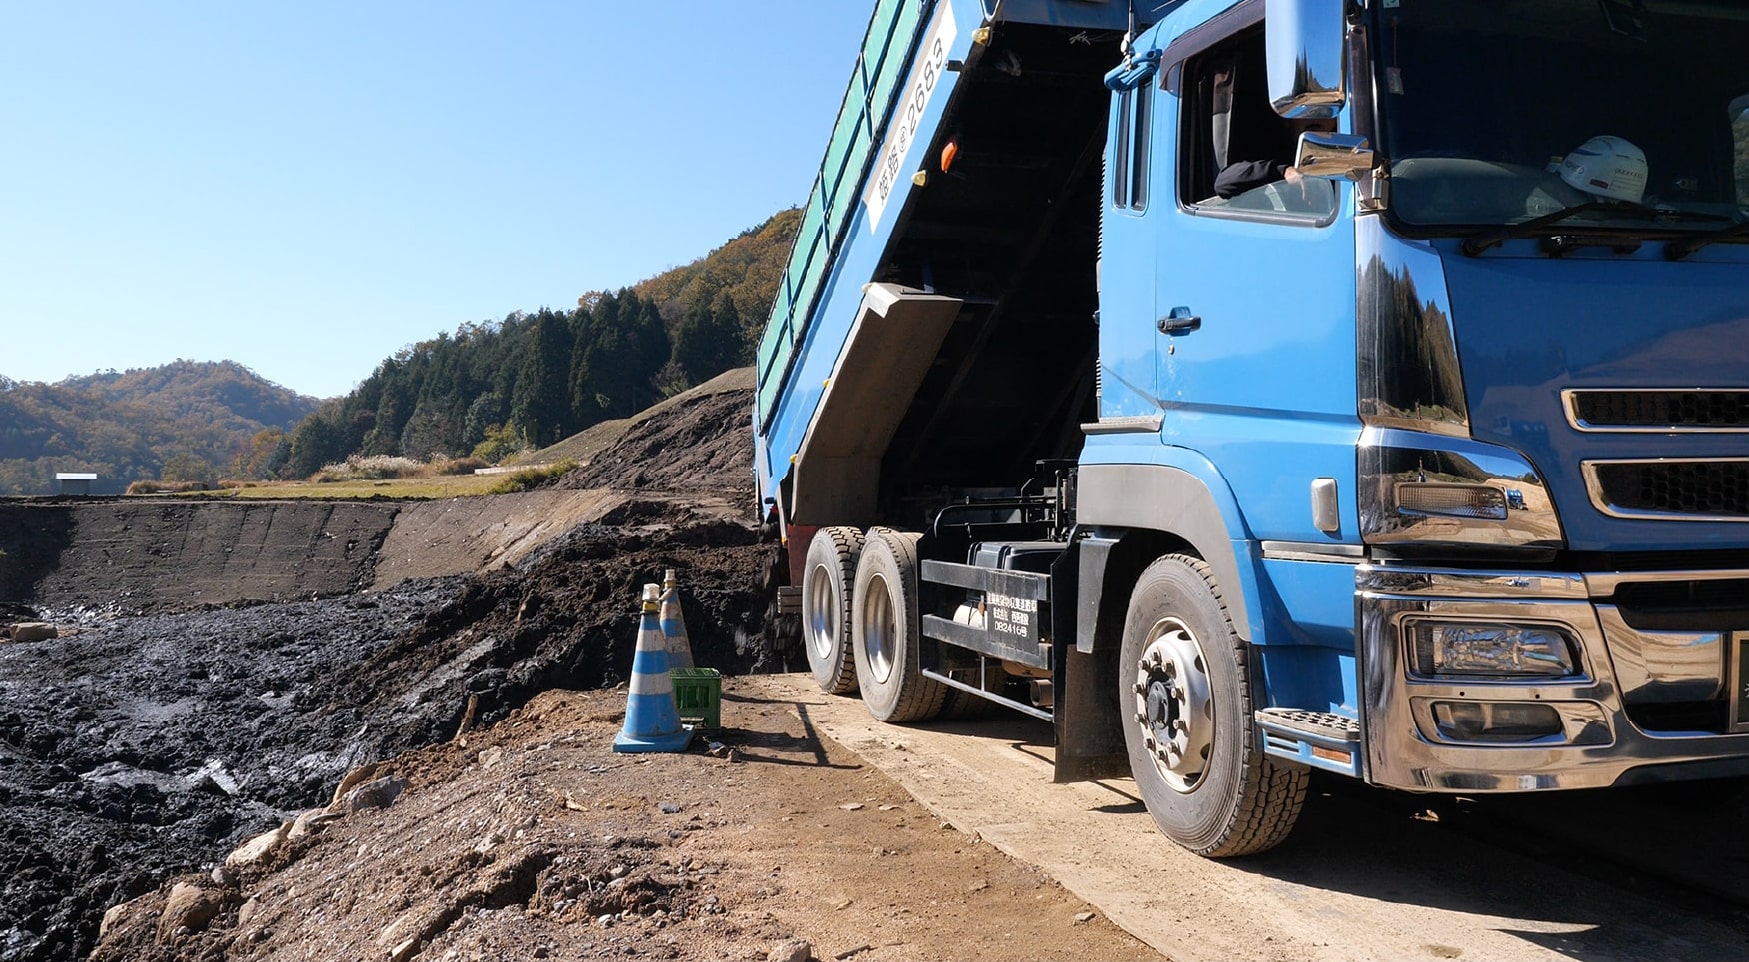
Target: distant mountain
pixel 191 419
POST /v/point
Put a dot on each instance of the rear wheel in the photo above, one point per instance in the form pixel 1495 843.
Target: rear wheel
pixel 827 582
pixel 1188 722
pixel 887 630
pixel 782 630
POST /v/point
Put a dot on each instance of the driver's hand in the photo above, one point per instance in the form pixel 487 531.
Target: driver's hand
pixel 1293 176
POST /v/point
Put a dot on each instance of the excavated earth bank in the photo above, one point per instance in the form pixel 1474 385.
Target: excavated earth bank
pixel 221 667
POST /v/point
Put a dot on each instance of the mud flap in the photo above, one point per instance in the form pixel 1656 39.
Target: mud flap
pixel 1089 734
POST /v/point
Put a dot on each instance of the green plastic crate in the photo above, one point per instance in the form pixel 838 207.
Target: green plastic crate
pixel 698 694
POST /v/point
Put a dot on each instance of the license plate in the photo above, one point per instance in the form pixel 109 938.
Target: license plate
pixel 1740 681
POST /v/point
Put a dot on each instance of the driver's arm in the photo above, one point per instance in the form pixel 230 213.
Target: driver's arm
pixel 1238 178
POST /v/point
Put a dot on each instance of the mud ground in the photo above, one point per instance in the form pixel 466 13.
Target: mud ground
pixel 533 840
pixel 220 672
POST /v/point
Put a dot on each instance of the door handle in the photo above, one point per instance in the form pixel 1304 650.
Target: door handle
pixel 1180 321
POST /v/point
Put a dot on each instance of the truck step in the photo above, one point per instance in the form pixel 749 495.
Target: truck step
pixel 1322 723
pixel 1315 738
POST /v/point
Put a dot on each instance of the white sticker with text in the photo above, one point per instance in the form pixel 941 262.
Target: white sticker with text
pixel 889 173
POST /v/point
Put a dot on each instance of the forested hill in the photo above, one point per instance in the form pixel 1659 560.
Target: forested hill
pixel 189 420
pixel 531 379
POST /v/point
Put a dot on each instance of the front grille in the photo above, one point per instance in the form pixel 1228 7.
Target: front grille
pixel 1697 490
pixel 1687 605
pixel 1661 410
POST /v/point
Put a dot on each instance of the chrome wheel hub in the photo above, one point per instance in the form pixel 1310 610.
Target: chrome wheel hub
pixel 822 614
pixel 1174 707
pixel 877 628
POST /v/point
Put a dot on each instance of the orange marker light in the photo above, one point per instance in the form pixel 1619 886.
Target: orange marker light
pixel 948 153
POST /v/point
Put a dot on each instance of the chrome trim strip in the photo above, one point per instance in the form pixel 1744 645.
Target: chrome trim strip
pixel 1445 583
pixel 1137 424
pixel 1448 583
pixel 1594 490
pixel 1570 404
pixel 1441 428
pixel 1603 584
pixel 1313 551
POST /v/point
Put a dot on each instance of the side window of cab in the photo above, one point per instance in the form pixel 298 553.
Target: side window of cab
pixel 1128 176
pixel 1236 154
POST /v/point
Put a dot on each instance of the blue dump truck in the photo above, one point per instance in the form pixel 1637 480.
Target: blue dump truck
pixel 1257 387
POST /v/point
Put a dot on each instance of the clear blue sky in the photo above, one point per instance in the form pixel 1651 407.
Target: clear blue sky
pixel 307 187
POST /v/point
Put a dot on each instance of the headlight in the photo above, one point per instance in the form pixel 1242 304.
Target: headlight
pixel 1473 649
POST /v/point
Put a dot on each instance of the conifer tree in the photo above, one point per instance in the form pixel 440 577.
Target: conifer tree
pixel 541 403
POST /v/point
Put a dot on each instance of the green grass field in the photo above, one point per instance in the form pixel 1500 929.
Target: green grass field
pixel 418 488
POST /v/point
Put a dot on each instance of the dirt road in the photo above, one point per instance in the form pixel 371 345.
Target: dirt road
pixel 1367 875
pixel 532 839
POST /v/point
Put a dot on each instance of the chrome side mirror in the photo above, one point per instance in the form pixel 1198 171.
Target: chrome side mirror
pixel 1333 156
pixel 1306 62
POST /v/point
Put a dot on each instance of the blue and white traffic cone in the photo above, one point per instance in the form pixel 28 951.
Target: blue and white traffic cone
pixel 674 624
pixel 652 720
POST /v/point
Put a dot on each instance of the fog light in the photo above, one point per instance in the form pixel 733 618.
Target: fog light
pixel 1481 721
pixel 1475 648
pixel 1451 500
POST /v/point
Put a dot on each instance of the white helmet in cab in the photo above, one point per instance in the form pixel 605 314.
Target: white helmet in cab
pixel 1609 167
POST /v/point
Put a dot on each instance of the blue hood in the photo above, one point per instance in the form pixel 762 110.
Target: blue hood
pixel 1528 328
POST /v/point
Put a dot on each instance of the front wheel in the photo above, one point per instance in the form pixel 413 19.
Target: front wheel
pixel 1188 722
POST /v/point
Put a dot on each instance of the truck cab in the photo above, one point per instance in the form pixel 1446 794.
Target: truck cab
pixel 1257 387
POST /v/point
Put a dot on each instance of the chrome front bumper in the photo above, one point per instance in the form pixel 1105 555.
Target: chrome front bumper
pixel 1618 667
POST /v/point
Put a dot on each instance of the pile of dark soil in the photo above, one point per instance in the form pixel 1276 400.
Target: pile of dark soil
pixel 141 747
pixel 566 618
pixel 148 745
pixel 702 443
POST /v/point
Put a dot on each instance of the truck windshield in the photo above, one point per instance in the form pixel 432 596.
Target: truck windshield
pixel 1481 102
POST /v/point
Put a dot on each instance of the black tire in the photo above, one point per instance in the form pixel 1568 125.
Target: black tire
pixel 965 706
pixel 1186 710
pixel 886 631
pixel 783 632
pixel 828 578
